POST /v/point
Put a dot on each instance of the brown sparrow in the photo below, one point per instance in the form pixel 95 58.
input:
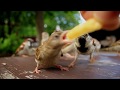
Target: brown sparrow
pixel 48 53
pixel 25 49
pixel 113 47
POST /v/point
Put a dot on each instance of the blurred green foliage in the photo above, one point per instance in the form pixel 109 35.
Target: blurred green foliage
pixel 8 45
pixel 15 25
pixel 65 19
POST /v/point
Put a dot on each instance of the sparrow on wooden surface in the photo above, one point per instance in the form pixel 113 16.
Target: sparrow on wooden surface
pixel 83 45
pixel 26 48
pixel 48 53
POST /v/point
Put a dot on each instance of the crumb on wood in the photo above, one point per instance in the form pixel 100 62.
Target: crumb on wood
pixel 4 64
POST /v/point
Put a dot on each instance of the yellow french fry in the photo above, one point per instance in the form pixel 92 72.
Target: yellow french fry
pixel 89 26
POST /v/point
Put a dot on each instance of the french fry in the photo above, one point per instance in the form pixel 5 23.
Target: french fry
pixel 90 25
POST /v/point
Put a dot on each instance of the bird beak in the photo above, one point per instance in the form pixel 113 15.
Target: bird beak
pixel 64 38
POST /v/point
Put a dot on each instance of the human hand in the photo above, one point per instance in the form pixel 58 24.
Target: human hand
pixel 109 19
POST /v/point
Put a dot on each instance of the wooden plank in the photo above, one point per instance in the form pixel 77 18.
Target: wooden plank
pixel 6 74
pixel 107 66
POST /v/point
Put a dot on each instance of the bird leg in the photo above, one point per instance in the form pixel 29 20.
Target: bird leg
pixel 92 59
pixel 73 62
pixel 118 53
pixel 37 69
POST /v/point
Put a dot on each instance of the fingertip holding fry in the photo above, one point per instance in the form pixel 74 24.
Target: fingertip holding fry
pixel 90 25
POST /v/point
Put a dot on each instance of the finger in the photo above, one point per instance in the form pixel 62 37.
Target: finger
pixel 109 19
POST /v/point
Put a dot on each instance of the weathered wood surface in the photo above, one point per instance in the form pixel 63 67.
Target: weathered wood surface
pixel 107 66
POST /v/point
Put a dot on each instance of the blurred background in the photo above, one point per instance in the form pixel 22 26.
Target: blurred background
pixel 16 26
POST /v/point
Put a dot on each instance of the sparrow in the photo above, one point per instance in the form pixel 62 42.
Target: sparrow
pixel 48 53
pixel 84 45
pixel 87 45
pixel 113 47
pixel 108 41
pixel 26 48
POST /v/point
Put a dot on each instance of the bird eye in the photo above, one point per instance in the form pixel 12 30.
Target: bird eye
pixel 56 36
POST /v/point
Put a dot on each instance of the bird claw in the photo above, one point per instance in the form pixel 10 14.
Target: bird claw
pixel 37 71
pixel 92 60
pixel 62 68
pixel 71 65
